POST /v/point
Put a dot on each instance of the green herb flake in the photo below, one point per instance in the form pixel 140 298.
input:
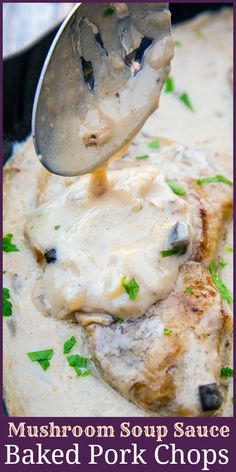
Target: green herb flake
pixel 199 34
pixel 169 85
pixel 167 331
pixel 131 287
pixel 79 364
pixel 7 245
pixel 4 271
pixel 42 357
pixel 176 188
pixel 186 101
pixel 189 291
pixel 174 251
pixel 108 12
pixel 57 227
pixel 45 364
pixel 120 321
pixel 69 344
pixel 155 144
pixel 229 249
pixel 222 263
pixel 82 372
pixel 223 290
pixel 178 43
pixel 140 158
pixel 215 178
pixel 76 359
pixel 6 302
pixel 227 372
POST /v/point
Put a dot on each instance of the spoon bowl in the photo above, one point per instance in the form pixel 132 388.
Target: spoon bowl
pixel 101 80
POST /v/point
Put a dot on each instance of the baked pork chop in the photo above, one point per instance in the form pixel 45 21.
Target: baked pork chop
pixel 169 360
pixel 164 355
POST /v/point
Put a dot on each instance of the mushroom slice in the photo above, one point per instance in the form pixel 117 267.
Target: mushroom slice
pixel 85 319
pixel 179 237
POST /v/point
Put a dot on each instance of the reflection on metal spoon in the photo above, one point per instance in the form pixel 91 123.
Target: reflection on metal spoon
pixel 78 122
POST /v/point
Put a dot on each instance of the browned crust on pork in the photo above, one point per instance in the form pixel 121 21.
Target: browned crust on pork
pixel 215 208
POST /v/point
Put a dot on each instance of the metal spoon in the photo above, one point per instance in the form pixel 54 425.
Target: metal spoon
pixel 101 79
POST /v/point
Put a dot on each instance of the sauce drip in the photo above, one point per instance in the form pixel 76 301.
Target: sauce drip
pixel 99 181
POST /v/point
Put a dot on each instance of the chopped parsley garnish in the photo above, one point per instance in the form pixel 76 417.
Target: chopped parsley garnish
pixel 186 101
pixel 170 88
pixel 155 144
pixel 167 331
pixel 215 178
pixel 46 354
pixel 145 156
pixel 223 290
pixel 174 251
pixel 7 244
pixel 189 291
pixel 227 372
pixel 199 34
pixel 42 357
pixel 229 249
pixel 108 12
pixel 45 364
pixel 222 263
pixel 131 287
pixel 69 344
pixel 79 364
pixel 169 85
pixel 82 373
pixel 120 321
pixel 6 302
pixel 176 188
pixel 178 43
pixel 57 227
pixel 76 359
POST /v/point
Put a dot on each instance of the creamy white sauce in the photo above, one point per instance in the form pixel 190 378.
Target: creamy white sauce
pixel 202 68
pixel 29 391
pixel 120 233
